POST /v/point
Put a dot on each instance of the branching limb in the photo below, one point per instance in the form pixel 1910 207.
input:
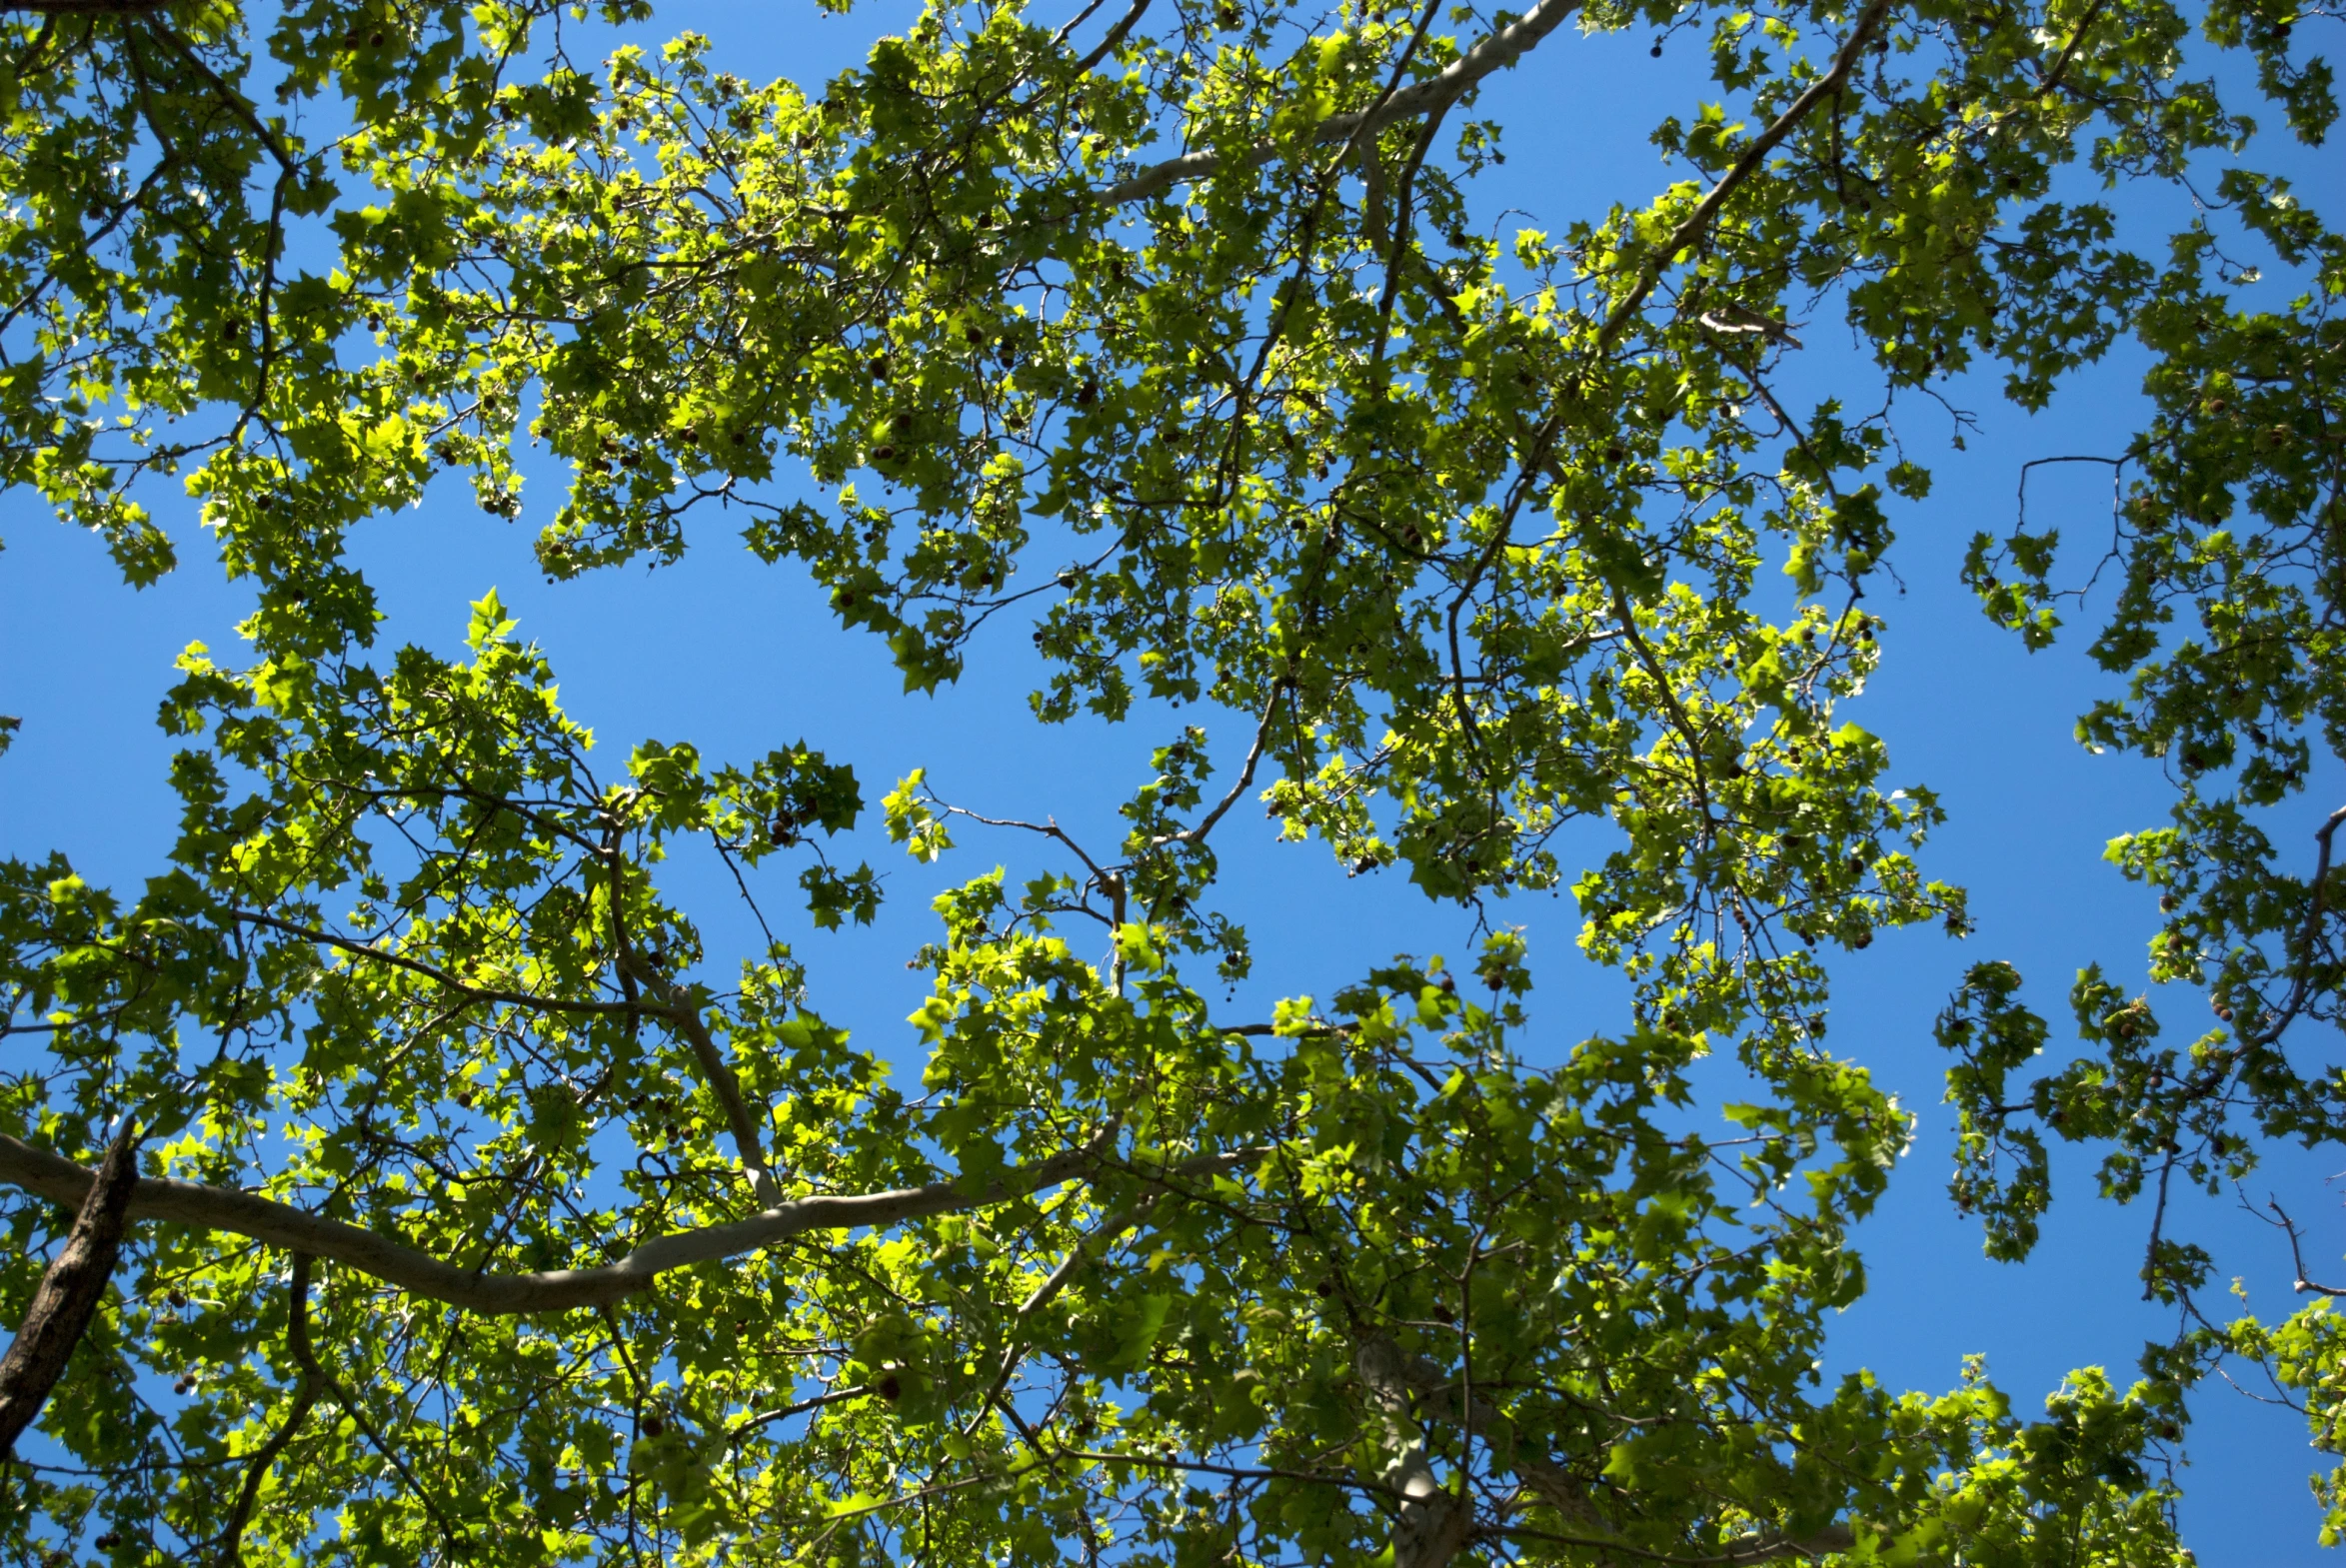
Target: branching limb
pixel 1706 210
pixel 1116 35
pixel 1627 614
pixel 434 972
pixel 677 1006
pixel 750 1424
pixel 1493 53
pixel 1246 778
pixel 2300 989
pixel 312 1368
pixel 280 1224
pixel 1043 1295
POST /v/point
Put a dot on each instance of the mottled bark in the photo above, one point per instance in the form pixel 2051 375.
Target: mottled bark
pixel 1435 1524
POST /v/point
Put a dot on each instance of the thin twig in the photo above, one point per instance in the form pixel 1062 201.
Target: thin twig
pixel 2300 1285
pixel 306 1354
pixel 1197 833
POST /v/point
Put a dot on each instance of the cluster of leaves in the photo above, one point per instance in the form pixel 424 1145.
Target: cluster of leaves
pixel 1607 1329
pixel 2234 521
pixel 1188 321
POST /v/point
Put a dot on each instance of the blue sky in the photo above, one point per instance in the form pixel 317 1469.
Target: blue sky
pixel 737 659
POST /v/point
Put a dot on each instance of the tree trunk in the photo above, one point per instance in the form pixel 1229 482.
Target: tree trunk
pixel 1435 1524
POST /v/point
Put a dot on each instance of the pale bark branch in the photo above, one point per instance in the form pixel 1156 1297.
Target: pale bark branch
pixel 1436 1522
pixel 1493 53
pixel 420 1273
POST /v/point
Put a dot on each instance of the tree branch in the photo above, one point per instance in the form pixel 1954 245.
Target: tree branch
pixel 1708 210
pixel 434 972
pixel 497 1296
pixel 71 1289
pixel 307 1355
pixel 313 1383
pixel 1555 1486
pixel 1107 45
pixel 679 1009
pixel 1197 833
pixel 2270 1029
pixel 1494 53
pixel 2297 1252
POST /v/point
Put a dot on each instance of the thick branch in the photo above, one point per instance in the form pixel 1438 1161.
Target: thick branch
pixel 1496 52
pixel 554 1290
pixel 70 1291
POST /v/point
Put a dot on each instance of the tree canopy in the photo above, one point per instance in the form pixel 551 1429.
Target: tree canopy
pixel 487 1216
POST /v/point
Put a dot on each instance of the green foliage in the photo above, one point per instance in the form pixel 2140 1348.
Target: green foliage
pixel 622 1248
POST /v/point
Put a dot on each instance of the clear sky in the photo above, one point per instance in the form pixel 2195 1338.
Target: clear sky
pixel 738 657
